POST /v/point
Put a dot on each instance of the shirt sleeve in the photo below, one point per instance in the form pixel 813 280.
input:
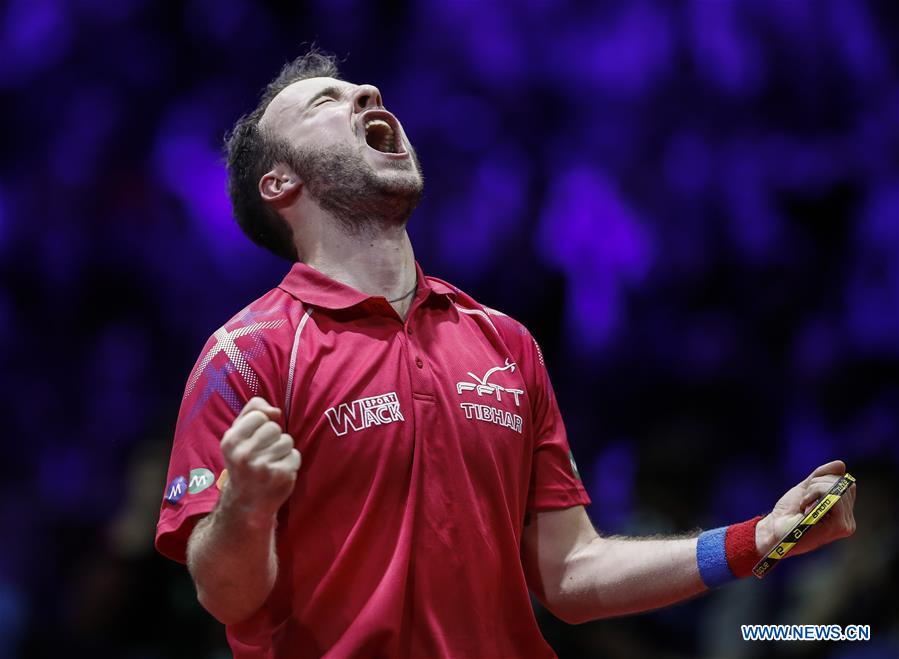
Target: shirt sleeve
pixel 555 482
pixel 232 368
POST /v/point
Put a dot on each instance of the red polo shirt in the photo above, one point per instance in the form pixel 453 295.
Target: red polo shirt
pixel 424 445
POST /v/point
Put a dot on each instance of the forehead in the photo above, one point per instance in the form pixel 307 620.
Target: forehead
pixel 297 94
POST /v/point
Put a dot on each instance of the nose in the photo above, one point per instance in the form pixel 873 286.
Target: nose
pixel 367 96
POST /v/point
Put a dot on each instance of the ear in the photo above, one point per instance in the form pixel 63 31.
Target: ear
pixel 279 185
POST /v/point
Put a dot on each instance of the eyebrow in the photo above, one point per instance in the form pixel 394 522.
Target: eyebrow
pixel 332 90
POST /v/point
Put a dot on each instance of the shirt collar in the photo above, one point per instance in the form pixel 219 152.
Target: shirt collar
pixel 312 287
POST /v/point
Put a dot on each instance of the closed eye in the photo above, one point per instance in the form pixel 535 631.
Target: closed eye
pixel 327 94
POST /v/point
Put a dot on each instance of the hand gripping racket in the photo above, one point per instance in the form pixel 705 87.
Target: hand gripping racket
pixel 795 534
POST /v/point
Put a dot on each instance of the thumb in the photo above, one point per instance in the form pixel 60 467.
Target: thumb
pixel 809 499
pixel 259 403
pixel 835 467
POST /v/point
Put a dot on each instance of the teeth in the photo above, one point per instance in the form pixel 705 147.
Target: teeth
pixel 386 139
pixel 377 122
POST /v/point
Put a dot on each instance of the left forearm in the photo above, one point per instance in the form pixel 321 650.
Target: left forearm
pixel 582 576
pixel 615 576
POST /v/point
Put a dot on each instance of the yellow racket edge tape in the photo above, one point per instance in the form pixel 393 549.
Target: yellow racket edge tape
pixel 814 516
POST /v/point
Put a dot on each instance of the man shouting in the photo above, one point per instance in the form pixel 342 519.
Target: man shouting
pixel 437 486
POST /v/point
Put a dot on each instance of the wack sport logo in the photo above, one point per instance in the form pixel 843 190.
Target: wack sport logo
pixel 363 413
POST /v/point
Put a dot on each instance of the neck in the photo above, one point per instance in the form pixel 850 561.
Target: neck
pixel 378 262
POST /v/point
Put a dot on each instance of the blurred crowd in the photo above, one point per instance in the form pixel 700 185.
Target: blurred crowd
pixel 693 206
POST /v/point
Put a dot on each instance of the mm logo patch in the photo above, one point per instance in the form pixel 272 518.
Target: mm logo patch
pixel 574 469
pixel 200 479
pixel 176 489
pixel 364 413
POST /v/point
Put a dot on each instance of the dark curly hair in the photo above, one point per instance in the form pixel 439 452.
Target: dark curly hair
pixel 250 153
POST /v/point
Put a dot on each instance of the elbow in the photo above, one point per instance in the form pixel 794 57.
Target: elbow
pixel 230 602
pixel 568 608
pixel 225 614
pixel 221 614
pixel 577 618
pixel 573 616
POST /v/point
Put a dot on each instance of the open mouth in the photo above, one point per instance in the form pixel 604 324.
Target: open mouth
pixel 381 134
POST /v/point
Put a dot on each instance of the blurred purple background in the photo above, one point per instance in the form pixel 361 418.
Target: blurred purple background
pixel 694 207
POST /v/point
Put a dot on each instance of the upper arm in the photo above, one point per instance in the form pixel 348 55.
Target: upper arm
pixel 558 525
pixel 555 483
pixel 549 541
pixel 241 360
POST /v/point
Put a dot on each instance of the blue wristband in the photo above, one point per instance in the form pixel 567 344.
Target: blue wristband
pixel 711 558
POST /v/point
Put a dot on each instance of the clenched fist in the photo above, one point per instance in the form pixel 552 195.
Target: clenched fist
pixel 261 460
pixel 796 504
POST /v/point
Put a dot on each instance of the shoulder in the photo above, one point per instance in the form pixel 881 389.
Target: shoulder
pixel 246 356
pixel 266 325
pixel 514 334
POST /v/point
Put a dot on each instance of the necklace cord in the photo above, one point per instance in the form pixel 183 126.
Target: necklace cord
pixel 403 297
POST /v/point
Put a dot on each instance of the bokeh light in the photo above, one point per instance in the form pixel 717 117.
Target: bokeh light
pixel 693 206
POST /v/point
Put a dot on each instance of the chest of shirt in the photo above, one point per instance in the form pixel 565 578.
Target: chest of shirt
pixel 366 396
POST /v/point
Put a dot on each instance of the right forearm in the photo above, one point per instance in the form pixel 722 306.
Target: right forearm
pixel 231 557
pixel 231 553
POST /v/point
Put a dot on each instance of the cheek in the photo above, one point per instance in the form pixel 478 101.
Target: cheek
pixel 332 127
pixel 326 128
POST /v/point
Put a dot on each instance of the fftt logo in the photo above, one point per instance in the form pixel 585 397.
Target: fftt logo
pixel 485 388
pixel 365 412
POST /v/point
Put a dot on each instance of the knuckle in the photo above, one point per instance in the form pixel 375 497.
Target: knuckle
pixel 285 476
pixel 231 450
pixel 256 466
pixel 241 455
pixel 257 416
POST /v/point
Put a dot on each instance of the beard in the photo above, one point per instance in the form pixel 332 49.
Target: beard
pixel 359 198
